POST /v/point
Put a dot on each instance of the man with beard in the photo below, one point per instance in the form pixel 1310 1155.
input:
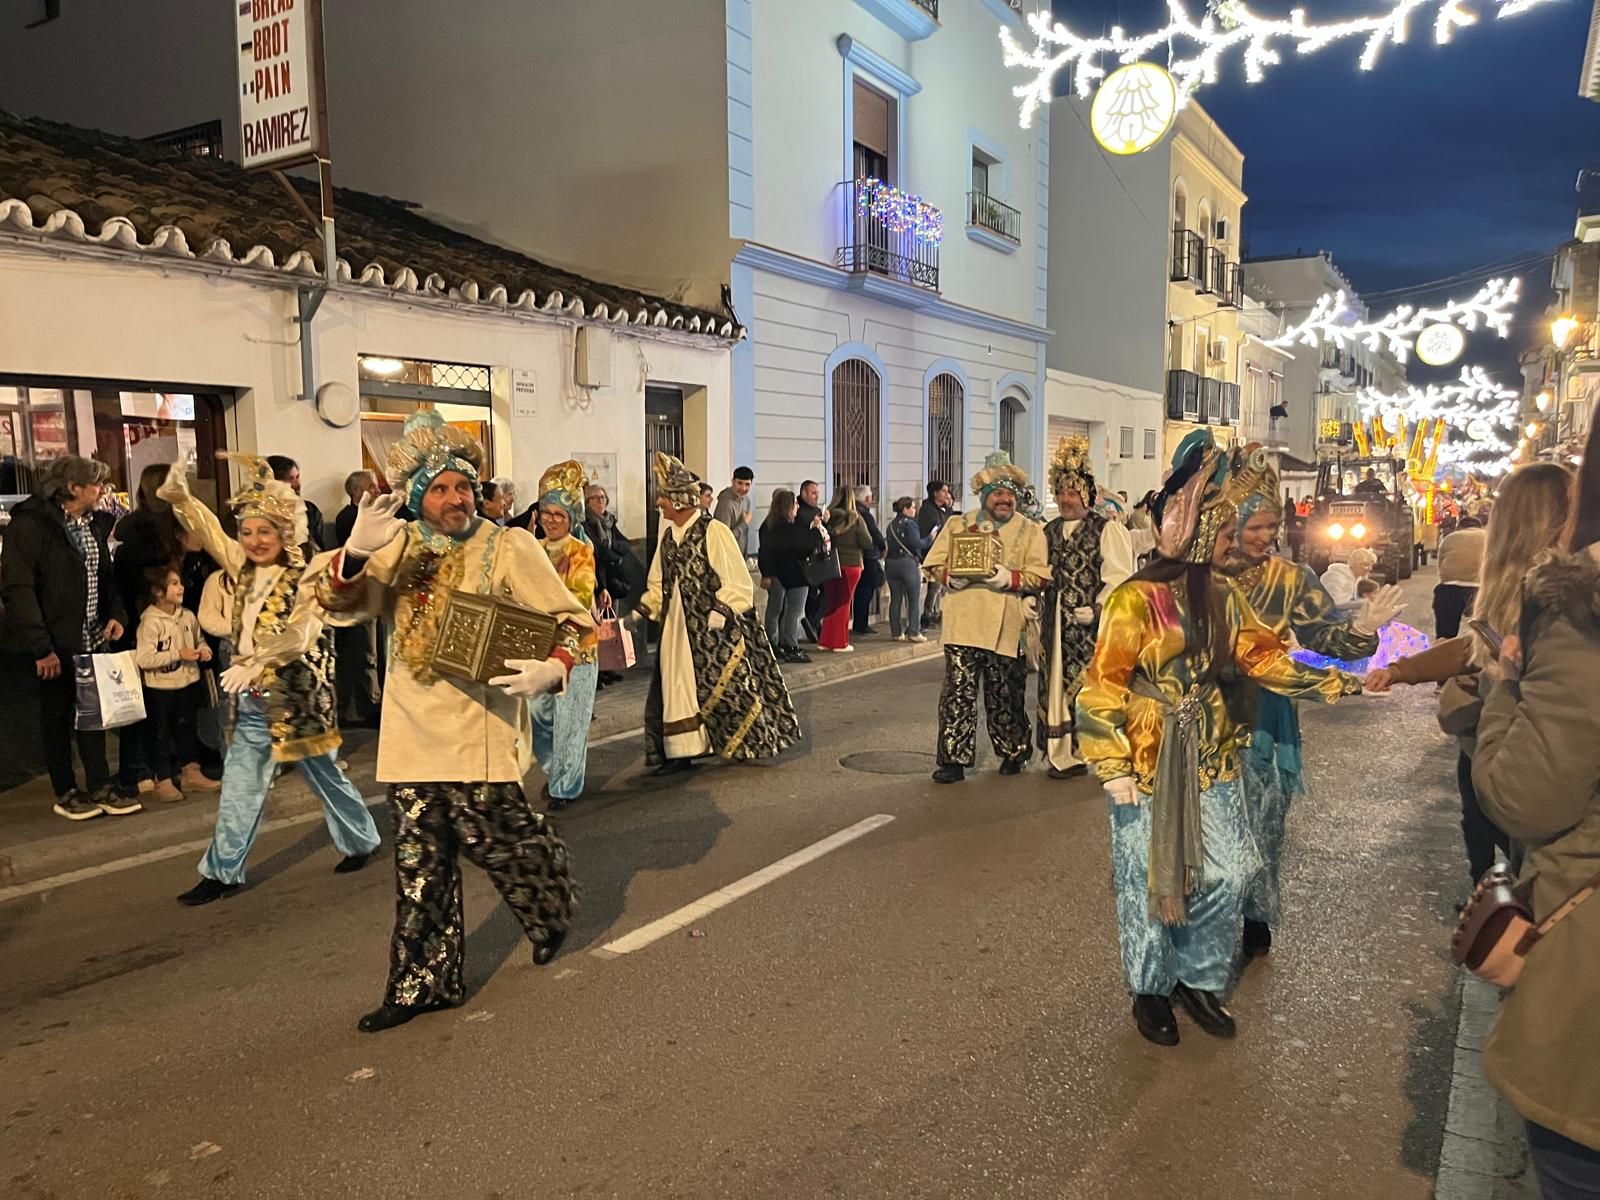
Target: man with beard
pixel 452 751
pixel 1089 556
pixel 1288 599
pixel 983 625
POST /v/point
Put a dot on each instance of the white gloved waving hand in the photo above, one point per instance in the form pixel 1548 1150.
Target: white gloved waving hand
pixel 375 525
pixel 530 677
pixel 240 677
pixel 1122 791
pixel 1378 609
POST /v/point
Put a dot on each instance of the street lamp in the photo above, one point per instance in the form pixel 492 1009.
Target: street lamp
pixel 1562 329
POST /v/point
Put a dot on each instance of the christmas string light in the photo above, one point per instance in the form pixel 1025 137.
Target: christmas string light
pixel 899 212
pixel 1333 319
pixel 1230 25
pixel 1475 398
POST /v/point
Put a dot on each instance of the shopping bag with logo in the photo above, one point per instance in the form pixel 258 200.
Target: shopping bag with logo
pixel 110 692
pixel 616 642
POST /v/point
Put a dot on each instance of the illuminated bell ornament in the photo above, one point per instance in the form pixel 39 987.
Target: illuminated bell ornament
pixel 1440 345
pixel 1134 108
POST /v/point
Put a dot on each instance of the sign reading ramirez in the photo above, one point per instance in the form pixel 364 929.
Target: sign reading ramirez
pixel 280 118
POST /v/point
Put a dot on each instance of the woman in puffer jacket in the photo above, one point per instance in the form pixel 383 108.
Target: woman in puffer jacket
pixel 1537 772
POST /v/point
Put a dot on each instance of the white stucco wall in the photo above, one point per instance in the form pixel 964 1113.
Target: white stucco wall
pixel 1108 407
pixel 81 317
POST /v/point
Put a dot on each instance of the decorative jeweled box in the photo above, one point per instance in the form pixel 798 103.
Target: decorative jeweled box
pixel 479 633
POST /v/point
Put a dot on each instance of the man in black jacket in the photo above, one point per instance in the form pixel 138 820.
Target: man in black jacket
pixel 871 582
pixel 61 599
pixel 935 511
pixel 808 509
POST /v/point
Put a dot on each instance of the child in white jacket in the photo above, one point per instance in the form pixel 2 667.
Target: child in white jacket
pixel 168 652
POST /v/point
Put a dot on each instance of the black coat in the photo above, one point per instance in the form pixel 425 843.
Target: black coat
pixel 932 516
pixel 43 586
pixel 314 528
pixel 878 544
pixel 784 550
pixel 805 514
pixel 617 569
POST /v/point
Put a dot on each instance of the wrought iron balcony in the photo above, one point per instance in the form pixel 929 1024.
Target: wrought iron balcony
pixel 1211 401
pixel 1183 396
pixel 1227 281
pixel 890 233
pixel 985 212
pixel 1188 258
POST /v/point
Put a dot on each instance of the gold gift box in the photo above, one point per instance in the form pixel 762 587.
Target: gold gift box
pixel 972 554
pixel 477 634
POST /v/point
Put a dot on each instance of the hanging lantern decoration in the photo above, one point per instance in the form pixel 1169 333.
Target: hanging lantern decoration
pixel 899 212
pixel 1134 108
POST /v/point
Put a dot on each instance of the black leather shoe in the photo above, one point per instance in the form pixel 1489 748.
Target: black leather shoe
pixel 389 1015
pixel 797 655
pixel 1070 773
pixel 1257 938
pixel 206 891
pixel 548 949
pixel 1013 766
pixel 1153 1015
pixel 353 862
pixel 1205 1010
pixel 950 773
pixel 674 766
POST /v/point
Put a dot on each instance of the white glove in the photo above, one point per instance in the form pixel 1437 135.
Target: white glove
pixel 1122 791
pixel 716 620
pixel 999 579
pixel 533 677
pixel 1030 607
pixel 175 489
pixel 1083 615
pixel 1378 609
pixel 956 582
pixel 375 525
pixel 240 677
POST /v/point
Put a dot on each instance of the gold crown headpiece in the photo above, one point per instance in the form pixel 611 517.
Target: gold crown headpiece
pixel 676 482
pixel 261 495
pixel 1070 465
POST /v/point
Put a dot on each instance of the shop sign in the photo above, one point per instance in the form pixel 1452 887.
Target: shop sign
pixel 283 116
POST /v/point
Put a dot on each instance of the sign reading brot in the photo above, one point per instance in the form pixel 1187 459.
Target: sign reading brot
pixel 281 119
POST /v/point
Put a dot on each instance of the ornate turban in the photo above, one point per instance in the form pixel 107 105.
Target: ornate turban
pixel 1070 466
pixel 562 486
pixel 428 449
pixel 676 482
pixel 260 495
pixel 1254 482
pixel 999 474
pixel 1192 507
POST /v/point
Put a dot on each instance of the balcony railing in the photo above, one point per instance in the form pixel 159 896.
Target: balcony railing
pixel 1230 291
pixel 1183 396
pixel 985 212
pixel 1230 404
pixel 1188 258
pixel 886 232
pixel 1211 401
pixel 931 7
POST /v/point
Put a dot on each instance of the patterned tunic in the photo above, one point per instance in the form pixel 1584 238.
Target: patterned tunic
pixel 1075 568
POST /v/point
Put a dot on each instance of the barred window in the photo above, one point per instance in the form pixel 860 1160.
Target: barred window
pixel 945 396
pixel 857 399
pixel 1010 411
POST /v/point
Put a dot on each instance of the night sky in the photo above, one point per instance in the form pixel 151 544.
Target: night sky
pixel 1438 161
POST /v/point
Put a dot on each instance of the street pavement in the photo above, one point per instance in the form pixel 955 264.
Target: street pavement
pixel 933 1008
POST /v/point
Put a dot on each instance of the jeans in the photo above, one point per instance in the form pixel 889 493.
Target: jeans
pixel 1451 602
pixel 905 596
pixel 785 608
pixel 246 777
pixel 867 590
pixel 1480 834
pixel 837 597
pixel 58 707
pixel 561 732
pixel 1568 1170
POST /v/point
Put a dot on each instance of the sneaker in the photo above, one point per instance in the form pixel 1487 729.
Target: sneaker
pixel 75 806
pixel 114 802
pixel 844 649
pixel 916 637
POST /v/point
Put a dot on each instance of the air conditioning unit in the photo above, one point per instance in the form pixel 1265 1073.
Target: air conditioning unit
pixel 592 365
pixel 1218 351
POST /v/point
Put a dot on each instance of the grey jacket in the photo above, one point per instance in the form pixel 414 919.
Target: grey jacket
pixel 732 510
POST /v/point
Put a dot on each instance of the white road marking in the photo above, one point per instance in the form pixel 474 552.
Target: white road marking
pixel 161 854
pixel 706 905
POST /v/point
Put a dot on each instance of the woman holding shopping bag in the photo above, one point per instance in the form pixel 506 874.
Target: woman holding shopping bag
pixel 281 673
pixel 561 723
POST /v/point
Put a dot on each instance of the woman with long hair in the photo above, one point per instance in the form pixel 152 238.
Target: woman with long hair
pixel 852 540
pixel 784 548
pixel 1529 516
pixel 1537 772
pixel 1152 721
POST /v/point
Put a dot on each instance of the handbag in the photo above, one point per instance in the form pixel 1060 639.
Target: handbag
pixel 110 693
pixel 1459 706
pixel 616 641
pixel 823 566
pixel 1496 930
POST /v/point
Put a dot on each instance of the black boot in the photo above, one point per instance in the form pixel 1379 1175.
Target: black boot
pixel 949 773
pixel 797 655
pixel 1257 938
pixel 352 863
pixel 674 766
pixel 387 1016
pixel 548 949
pixel 206 891
pixel 1014 764
pixel 1205 1010
pixel 1069 773
pixel 1153 1015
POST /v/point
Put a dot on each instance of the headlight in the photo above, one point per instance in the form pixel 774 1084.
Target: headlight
pixel 1358 530
pixel 1336 531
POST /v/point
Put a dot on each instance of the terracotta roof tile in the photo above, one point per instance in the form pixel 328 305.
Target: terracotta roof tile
pixel 84 185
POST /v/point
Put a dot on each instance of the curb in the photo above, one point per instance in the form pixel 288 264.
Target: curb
pixel 159 827
pixel 1484 1155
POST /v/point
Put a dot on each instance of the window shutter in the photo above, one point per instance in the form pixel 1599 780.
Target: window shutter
pixel 873 119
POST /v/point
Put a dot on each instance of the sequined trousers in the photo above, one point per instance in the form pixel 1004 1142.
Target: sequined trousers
pixel 493 827
pixel 1005 702
pixel 1200 953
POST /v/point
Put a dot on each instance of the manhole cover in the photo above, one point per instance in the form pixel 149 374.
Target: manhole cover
pixel 889 762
